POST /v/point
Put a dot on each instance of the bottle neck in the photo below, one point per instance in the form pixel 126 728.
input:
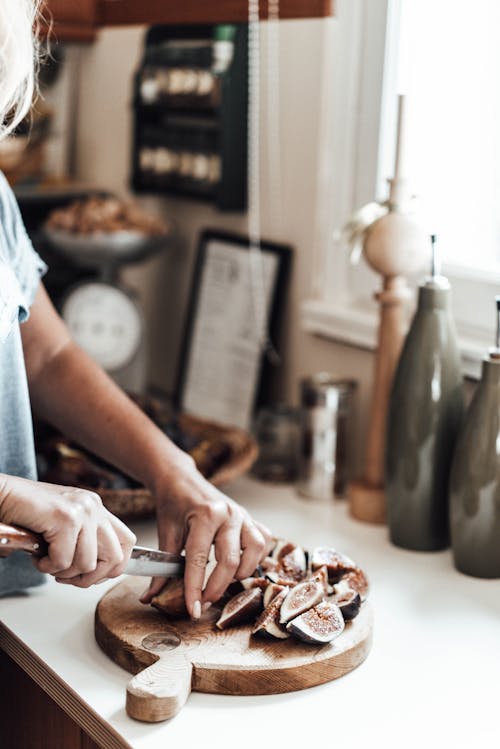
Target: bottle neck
pixel 434 297
pixel 491 371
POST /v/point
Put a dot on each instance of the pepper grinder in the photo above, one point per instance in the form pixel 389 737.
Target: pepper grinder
pixel 395 246
pixel 475 476
pixel 425 412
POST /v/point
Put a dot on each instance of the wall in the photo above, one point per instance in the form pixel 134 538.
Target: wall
pixel 103 159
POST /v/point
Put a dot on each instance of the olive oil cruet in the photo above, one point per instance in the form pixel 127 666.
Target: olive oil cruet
pixel 475 476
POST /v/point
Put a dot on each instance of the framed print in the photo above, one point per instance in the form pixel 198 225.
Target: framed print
pixel 234 309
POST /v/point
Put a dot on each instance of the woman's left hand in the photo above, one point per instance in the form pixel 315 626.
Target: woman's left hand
pixel 192 515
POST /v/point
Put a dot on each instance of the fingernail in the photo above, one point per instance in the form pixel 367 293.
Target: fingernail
pixel 196 610
pixel 206 606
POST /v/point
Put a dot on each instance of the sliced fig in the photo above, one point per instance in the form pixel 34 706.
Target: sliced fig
pixel 319 625
pixel 300 598
pixel 321 576
pixel 170 600
pixel 267 565
pixel 358 581
pixel 268 622
pixel 241 608
pixel 282 548
pixel 271 592
pixel 291 569
pixel 336 563
pixel 347 599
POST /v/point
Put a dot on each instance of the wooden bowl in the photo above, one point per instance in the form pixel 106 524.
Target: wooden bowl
pixel 130 504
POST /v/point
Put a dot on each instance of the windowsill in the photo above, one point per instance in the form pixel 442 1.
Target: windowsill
pixel 354 327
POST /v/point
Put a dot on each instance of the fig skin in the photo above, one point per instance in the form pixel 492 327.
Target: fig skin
pixel 241 609
pixel 170 600
pixel 268 622
pixel 319 625
pixel 347 599
pixel 337 564
pixel 302 597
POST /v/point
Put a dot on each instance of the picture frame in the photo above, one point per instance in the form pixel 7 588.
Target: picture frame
pixel 224 368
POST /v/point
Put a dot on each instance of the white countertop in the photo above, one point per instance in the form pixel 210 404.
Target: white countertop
pixel 431 680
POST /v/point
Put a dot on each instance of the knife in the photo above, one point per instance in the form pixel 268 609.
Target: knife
pixel 143 561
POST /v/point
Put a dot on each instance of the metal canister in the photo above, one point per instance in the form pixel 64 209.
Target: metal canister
pixel 325 415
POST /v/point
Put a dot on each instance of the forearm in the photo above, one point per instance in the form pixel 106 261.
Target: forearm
pixel 74 394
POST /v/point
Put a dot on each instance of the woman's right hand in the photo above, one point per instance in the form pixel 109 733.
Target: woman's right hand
pixel 87 544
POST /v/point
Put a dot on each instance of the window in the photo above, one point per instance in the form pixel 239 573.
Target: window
pixel 446 57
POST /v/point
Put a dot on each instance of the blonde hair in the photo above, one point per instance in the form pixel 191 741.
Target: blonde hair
pixel 18 55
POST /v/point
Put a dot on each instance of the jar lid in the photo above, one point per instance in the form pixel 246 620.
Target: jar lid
pixel 324 389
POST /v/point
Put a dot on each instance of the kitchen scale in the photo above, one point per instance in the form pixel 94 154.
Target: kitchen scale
pixel 102 314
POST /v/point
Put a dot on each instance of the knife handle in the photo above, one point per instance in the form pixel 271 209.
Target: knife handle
pixel 13 538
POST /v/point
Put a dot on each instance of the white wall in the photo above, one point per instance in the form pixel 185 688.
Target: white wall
pixel 103 158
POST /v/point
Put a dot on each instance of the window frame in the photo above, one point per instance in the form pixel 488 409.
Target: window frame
pixel 362 75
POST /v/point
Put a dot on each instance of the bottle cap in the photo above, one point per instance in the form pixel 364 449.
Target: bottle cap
pixel 494 352
pixel 436 280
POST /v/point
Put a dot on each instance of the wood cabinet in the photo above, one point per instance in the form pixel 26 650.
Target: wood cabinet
pixel 79 20
pixel 29 719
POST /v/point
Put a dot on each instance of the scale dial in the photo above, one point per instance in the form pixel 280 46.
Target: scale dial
pixel 105 322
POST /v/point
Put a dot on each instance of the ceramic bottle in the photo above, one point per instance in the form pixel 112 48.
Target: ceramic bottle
pixel 425 412
pixel 475 477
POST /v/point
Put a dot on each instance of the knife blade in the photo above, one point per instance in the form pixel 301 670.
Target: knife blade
pixel 143 561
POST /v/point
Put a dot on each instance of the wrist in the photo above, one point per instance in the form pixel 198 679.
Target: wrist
pixel 170 470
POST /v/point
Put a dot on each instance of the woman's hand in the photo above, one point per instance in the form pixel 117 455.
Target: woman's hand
pixel 87 544
pixel 193 515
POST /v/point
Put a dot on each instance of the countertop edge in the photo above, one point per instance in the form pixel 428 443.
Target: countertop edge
pixel 58 690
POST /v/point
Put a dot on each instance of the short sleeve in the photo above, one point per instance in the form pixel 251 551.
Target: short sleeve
pixel 17 250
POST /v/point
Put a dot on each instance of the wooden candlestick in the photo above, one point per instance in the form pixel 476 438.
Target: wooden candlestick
pixel 395 245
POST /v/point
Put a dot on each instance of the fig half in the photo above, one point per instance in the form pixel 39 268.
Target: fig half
pixel 336 563
pixel 319 625
pixel 170 600
pixel 271 592
pixel 358 581
pixel 241 608
pixel 268 622
pixel 282 548
pixel 347 599
pixel 321 576
pixel 300 598
pixel 291 569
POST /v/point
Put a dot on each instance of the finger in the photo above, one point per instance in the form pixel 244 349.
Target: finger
pixel 228 555
pixel 171 538
pixel 268 538
pixel 85 559
pixel 253 545
pixel 123 543
pixel 61 550
pixel 198 545
pixel 99 575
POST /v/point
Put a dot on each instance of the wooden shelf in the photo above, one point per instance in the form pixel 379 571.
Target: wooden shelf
pixel 118 12
pixel 80 20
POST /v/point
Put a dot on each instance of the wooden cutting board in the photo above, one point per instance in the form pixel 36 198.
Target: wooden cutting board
pixel 171 658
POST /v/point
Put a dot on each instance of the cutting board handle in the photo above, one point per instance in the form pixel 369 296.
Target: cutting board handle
pixel 160 691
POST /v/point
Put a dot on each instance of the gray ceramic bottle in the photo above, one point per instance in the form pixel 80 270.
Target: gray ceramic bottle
pixel 425 411
pixel 475 477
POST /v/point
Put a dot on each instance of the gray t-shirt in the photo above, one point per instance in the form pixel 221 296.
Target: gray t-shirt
pixel 20 271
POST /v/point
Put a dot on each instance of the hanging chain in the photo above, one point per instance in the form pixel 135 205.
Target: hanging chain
pixel 257 279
